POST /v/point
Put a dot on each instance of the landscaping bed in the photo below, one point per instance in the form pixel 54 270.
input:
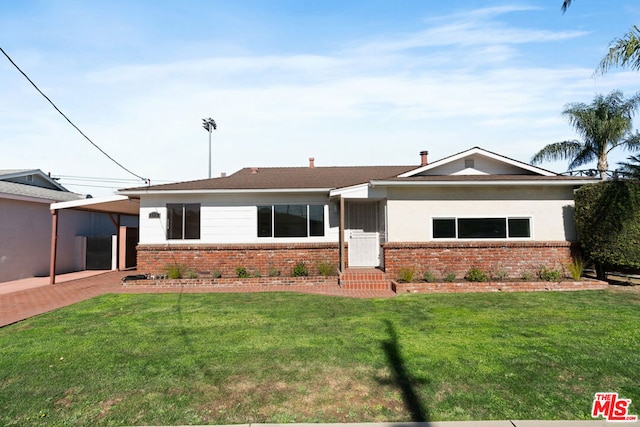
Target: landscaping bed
pixel 234 281
pixel 499 286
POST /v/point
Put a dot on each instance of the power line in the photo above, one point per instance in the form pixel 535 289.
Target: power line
pixel 70 122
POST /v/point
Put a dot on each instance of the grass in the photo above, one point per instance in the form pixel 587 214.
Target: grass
pixel 278 358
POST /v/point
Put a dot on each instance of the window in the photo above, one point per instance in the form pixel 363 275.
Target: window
pixel 481 228
pixel 183 221
pixel 290 220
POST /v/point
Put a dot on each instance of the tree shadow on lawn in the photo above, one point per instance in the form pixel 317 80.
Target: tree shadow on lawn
pixel 402 379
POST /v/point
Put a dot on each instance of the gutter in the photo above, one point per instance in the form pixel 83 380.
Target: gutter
pixel 225 191
pixel 554 183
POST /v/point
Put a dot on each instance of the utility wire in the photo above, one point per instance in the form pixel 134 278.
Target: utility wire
pixel 70 122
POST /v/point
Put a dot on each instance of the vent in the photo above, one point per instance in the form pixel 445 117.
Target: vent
pixel 468 164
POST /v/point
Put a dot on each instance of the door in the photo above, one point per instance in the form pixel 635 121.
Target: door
pixel 363 235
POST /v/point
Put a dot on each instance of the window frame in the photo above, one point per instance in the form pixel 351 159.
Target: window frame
pixel 275 231
pixel 186 227
pixel 507 230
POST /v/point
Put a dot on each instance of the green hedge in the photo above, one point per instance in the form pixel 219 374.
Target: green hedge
pixel 608 223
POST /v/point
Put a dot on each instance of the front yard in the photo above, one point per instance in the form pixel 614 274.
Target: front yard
pixel 280 357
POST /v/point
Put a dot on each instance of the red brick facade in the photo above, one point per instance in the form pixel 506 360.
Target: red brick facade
pixel 255 258
pixel 511 258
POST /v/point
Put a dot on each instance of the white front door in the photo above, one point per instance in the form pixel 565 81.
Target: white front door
pixel 363 234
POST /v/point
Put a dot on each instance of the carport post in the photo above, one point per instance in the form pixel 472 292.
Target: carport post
pixel 54 246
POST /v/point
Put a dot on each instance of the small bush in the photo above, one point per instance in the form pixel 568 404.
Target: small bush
pixel 449 277
pixel 407 274
pixel 428 276
pixel 326 268
pixel 242 273
pixel 174 271
pixel 499 273
pixel 528 276
pixel 273 272
pixel 256 273
pixel 192 274
pixel 475 274
pixel 216 274
pixel 300 270
pixel 576 267
pixel 549 274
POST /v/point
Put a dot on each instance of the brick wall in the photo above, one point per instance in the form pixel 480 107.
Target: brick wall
pixel 205 259
pixel 513 258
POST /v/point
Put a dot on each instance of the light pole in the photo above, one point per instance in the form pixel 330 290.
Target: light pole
pixel 209 124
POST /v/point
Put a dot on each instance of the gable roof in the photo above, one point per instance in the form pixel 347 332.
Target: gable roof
pixel 526 168
pixel 30 177
pixel 295 178
pixel 14 190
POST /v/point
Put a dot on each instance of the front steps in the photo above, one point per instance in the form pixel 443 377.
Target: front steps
pixel 364 279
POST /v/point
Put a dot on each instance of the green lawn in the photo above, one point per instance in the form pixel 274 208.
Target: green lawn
pixel 280 357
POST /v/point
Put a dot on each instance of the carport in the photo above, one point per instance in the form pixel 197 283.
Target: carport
pixel 115 206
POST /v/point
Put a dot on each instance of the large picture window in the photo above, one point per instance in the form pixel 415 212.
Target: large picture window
pixel 481 228
pixel 183 221
pixel 290 221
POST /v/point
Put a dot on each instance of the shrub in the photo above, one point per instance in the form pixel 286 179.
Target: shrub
pixel 326 268
pixel 549 274
pixel 216 274
pixel 449 277
pixel 528 276
pixel 499 273
pixel 608 223
pixel 192 274
pixel 273 272
pixel 256 273
pixel 428 276
pixel 300 270
pixel 576 267
pixel 242 273
pixel 475 274
pixel 174 271
pixel 407 274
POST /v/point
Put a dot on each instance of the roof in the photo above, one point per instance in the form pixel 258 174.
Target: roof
pixel 525 167
pixel 30 191
pixel 325 178
pixel 109 204
pixel 32 177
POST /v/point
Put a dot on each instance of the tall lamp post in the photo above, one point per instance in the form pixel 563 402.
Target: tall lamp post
pixel 210 125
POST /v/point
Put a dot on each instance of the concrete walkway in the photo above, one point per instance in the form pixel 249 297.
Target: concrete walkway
pixel 26 298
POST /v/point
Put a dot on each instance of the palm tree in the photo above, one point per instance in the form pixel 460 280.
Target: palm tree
pixel 604 124
pixel 631 167
pixel 623 52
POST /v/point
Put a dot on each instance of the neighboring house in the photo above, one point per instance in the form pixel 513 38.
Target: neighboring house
pixel 475 208
pixel 26 226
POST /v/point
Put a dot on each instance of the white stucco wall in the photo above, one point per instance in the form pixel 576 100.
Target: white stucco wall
pixel 410 211
pixel 229 218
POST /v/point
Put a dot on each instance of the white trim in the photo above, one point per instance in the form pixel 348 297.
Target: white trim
pixel 101 204
pixel 478 150
pixel 491 183
pixel 223 191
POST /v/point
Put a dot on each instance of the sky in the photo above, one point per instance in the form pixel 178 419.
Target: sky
pixel 348 82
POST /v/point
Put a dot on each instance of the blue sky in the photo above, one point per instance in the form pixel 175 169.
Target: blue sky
pixel 347 82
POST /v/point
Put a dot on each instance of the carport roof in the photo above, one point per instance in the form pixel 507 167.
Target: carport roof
pixel 110 204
